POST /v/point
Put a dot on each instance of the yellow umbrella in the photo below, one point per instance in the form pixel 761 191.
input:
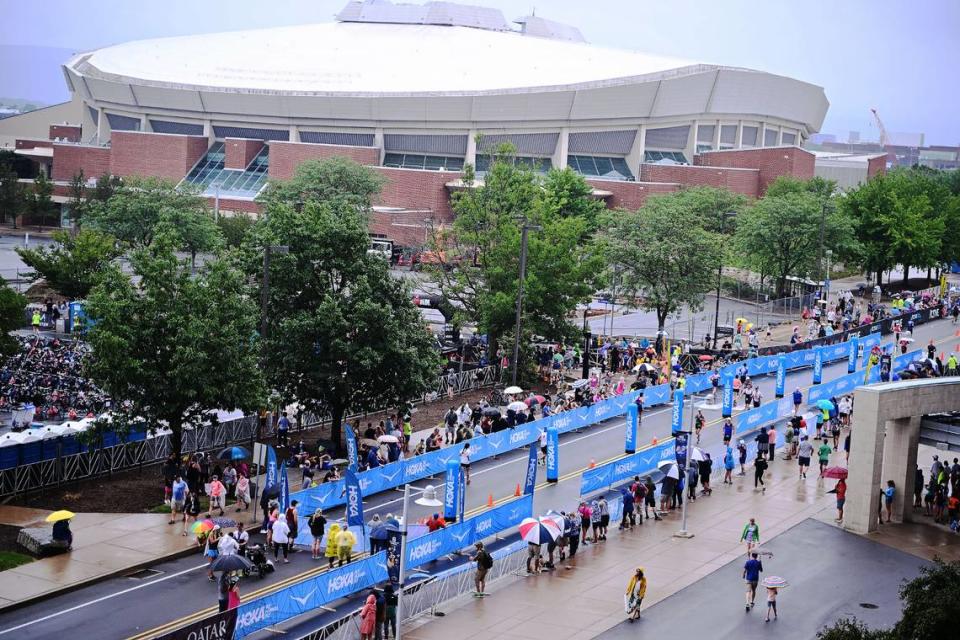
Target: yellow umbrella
pixel 742 320
pixel 57 516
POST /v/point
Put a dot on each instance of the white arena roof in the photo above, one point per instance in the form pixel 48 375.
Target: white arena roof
pixel 371 59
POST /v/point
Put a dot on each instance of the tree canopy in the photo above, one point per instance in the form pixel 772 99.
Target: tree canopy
pixel 909 217
pixel 138 209
pixel 663 255
pixel 780 234
pixel 343 335
pixel 172 347
pixel 564 266
pixel 72 264
pixel 12 305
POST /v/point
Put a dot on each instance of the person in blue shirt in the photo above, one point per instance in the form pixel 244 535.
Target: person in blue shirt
pixel 178 499
pixel 797 400
pixel 888 494
pixel 629 515
pixel 283 430
pixel 751 575
pixel 727 430
pixel 373 458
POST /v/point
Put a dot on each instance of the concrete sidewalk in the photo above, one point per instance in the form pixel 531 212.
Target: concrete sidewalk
pixel 584 597
pixel 104 545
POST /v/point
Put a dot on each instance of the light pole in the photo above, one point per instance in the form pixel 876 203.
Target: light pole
pixel 523 274
pixel 683 533
pixel 716 308
pixel 429 499
pixel 826 279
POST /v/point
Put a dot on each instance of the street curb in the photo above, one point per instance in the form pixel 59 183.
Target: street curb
pixel 94 580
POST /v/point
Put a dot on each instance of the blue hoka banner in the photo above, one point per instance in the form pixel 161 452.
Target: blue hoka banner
pixel 284 486
pixel 452 496
pixel 353 461
pixel 553 453
pixel 633 427
pixel 781 374
pixel 271 471
pixel 676 415
pixel 640 463
pixel 465 533
pixel 754 418
pixel 727 408
pixel 354 499
pixel 817 365
pixel 853 350
pixel 698 383
pixel 659 394
pixel 834 352
pixel 761 366
pixel 308 595
pixel 868 343
pixel 530 477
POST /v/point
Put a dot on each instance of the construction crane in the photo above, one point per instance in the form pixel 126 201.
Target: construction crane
pixel 884 140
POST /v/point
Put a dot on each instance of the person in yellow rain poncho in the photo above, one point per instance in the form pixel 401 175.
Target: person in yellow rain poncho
pixel 345 542
pixel 636 589
pixel 331 551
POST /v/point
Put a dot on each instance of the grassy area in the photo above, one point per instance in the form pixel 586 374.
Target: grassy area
pixel 165 508
pixel 11 559
pixel 160 508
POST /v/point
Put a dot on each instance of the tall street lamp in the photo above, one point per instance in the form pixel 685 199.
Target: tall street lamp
pixel 523 274
pixel 427 498
pixel 716 309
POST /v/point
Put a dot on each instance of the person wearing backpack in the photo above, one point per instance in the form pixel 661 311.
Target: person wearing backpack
pixel 484 563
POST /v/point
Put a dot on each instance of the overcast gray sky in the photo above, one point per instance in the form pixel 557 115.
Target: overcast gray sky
pixel 896 55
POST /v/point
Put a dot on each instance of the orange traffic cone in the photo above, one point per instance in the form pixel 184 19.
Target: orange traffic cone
pixel 489 499
pixel 516 493
pixel 654 441
pixel 957 348
pixel 592 464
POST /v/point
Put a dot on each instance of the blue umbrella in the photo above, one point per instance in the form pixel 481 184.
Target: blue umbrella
pixel 233 453
pixel 826 405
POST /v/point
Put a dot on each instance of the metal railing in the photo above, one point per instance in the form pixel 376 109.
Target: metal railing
pixel 423 598
pixel 50 466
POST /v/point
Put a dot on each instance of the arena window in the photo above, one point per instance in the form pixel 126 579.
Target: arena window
pixel 600 167
pixel 540 165
pixel 182 128
pixel 666 157
pixel 418 161
pixel 210 175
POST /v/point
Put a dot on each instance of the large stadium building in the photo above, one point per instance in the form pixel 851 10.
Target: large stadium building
pixel 417 92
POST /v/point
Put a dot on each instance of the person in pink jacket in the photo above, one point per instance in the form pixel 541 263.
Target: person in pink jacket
pixel 368 618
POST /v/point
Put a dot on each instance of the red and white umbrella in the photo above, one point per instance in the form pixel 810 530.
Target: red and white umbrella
pixel 539 530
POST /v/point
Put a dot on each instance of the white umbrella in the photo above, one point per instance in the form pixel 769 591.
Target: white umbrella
pixel 697 454
pixel 669 469
pixel 512 391
pixel 582 382
pixel 517 406
pixel 645 367
pixel 388 438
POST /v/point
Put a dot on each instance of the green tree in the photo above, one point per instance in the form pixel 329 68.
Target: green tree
pixel 12 305
pixel 173 347
pixel 780 234
pixel 235 229
pixel 332 181
pixel 133 212
pixel 106 185
pixel 39 201
pixel 902 218
pixel 343 335
pixel 852 629
pixel 195 231
pixel 11 194
pixel 663 254
pixel 931 602
pixel 482 250
pixel 78 199
pixel 73 263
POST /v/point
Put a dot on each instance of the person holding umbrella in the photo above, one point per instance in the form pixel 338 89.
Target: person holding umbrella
pixel 61 527
pixel 773 585
pixel 841 490
pixel 636 590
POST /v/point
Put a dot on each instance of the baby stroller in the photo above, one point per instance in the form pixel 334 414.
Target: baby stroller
pixel 261 564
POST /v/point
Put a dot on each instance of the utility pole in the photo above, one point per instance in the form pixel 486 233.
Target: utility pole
pixel 524 230
pixel 716 308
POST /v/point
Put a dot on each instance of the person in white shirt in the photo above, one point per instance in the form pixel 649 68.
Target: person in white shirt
pixel 542 458
pixel 281 539
pixel 227 546
pixel 465 461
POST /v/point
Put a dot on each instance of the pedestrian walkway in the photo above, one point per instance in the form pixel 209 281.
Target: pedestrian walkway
pixel 585 598
pixel 104 544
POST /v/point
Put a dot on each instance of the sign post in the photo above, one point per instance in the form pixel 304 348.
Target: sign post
pixel 452 495
pixel 818 365
pixel 676 421
pixel 781 374
pixel 727 409
pixel 854 350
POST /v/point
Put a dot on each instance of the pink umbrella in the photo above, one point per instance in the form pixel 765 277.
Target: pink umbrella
pixel 539 530
pixel 535 399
